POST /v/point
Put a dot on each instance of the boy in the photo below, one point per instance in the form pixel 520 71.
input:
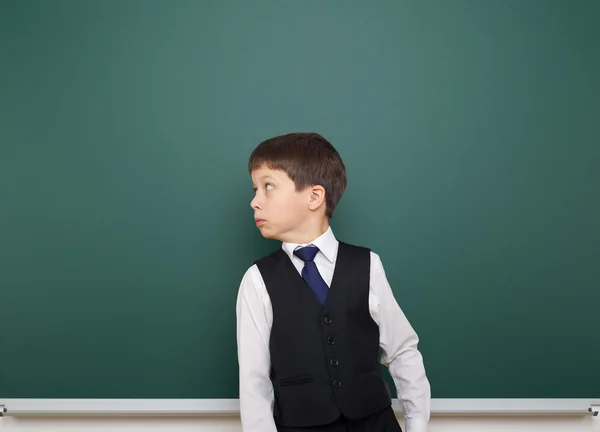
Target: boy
pixel 311 316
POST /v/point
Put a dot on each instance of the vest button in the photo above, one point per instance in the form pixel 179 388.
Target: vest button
pixel 330 340
pixel 337 384
pixel 327 319
pixel 334 362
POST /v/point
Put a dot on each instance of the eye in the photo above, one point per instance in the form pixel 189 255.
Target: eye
pixel 268 185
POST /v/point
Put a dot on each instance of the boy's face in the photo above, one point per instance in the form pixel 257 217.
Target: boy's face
pixel 279 210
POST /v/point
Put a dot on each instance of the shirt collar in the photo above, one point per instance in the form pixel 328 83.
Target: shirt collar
pixel 326 242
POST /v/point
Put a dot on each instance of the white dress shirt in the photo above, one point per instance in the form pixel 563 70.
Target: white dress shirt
pixel 398 341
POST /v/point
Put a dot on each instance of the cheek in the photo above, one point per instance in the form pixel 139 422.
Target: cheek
pixel 295 207
pixel 285 207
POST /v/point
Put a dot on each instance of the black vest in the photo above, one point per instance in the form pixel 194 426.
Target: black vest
pixel 324 359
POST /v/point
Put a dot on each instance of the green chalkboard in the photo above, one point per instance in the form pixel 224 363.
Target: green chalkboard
pixel 470 131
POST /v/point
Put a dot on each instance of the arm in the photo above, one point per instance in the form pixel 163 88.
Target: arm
pixel 253 330
pixel 399 341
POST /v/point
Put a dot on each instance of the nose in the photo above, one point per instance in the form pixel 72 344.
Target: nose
pixel 254 203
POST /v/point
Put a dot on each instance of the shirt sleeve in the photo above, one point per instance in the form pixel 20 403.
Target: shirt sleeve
pixel 398 341
pixel 256 389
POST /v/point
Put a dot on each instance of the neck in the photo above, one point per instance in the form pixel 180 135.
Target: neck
pixel 309 233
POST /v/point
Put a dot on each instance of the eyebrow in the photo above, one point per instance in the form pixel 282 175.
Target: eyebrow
pixel 267 176
pixel 263 178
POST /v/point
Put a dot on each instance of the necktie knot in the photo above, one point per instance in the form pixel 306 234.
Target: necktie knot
pixel 307 254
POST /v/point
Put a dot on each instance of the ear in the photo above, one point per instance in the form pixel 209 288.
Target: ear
pixel 317 197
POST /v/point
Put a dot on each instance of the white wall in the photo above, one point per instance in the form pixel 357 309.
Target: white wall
pixel 231 424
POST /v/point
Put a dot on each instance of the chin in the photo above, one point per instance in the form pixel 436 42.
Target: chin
pixel 269 235
pixel 265 233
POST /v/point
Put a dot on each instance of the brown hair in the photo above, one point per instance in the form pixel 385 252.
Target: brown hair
pixel 308 159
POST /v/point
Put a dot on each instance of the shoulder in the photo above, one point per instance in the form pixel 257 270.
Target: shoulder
pixel 375 259
pixel 271 259
pixel 363 251
pixel 360 256
pixel 253 279
pixel 252 282
pixel 361 248
pixel 353 248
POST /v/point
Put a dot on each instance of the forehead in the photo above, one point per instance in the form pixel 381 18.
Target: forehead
pixel 265 172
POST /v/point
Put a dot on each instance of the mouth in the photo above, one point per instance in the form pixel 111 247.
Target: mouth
pixel 259 222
